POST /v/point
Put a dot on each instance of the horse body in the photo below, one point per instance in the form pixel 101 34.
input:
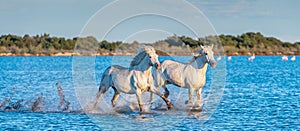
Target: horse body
pixel 126 80
pixel 184 75
pixel 191 75
pixel 133 80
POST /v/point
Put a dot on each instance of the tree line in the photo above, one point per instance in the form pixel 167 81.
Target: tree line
pixel 245 44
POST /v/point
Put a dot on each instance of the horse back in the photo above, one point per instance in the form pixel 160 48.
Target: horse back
pixel 106 79
pixel 173 71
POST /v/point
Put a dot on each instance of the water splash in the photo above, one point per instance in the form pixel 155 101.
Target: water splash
pixel 57 100
pixel 63 104
pixel 27 99
pixel 14 106
pixel 5 102
pixel 37 104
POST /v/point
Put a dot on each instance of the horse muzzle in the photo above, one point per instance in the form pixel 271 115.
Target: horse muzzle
pixel 157 66
pixel 213 64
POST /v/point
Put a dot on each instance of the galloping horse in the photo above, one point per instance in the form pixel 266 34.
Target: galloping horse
pixel 191 75
pixel 133 80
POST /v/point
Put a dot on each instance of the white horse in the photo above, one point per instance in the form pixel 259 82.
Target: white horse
pixel 133 80
pixel 191 75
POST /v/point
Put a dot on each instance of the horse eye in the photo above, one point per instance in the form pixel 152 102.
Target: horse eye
pixel 150 57
pixel 205 53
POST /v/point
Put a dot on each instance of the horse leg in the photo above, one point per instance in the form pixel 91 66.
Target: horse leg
pixel 115 98
pixel 198 93
pixel 167 93
pixel 191 92
pixel 100 94
pixel 155 91
pixel 139 98
pixel 151 98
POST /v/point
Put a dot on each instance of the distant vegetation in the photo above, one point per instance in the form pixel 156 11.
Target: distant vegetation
pixel 245 44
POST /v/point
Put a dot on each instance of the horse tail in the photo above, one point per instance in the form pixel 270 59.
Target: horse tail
pixel 105 79
pixel 104 85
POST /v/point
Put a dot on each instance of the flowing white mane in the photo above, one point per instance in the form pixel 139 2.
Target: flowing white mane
pixel 196 54
pixel 142 52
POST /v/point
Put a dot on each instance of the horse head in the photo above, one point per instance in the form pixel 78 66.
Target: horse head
pixel 207 54
pixel 146 56
pixel 153 57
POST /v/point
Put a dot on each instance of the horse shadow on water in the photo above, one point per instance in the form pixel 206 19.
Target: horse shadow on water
pixel 36 104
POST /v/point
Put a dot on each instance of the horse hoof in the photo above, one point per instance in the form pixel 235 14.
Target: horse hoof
pixel 188 102
pixel 166 95
pixel 150 102
pixel 196 109
pixel 170 106
pixel 141 113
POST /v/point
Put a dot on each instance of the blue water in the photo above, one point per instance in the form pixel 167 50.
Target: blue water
pixel 259 95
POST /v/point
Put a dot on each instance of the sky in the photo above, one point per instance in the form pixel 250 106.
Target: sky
pixel 71 18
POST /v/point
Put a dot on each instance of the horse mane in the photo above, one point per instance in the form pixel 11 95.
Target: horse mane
pixel 192 60
pixel 142 52
pixel 195 57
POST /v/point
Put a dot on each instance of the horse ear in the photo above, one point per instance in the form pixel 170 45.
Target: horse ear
pixel 140 48
pixel 195 54
pixel 212 46
pixel 137 48
pixel 202 47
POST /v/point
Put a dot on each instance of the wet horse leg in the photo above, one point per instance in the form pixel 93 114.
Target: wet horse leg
pixel 191 92
pixel 115 97
pixel 151 98
pixel 167 93
pixel 155 91
pixel 100 94
pixel 198 93
pixel 139 98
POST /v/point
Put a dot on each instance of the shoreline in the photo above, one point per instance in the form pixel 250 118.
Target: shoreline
pixel 110 54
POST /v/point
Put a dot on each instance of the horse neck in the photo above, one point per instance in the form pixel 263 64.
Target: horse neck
pixel 200 65
pixel 144 69
pixel 142 66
